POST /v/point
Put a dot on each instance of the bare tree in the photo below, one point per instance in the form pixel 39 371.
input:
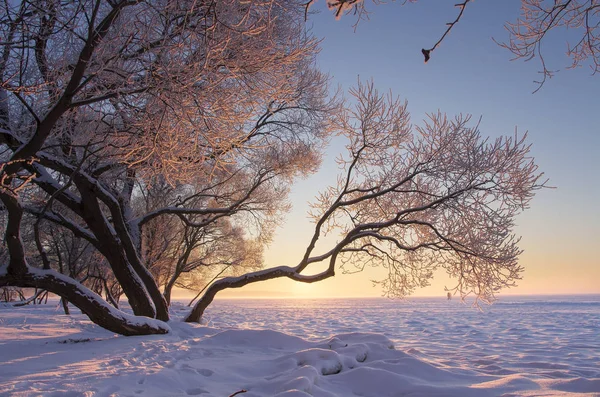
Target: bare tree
pixel 413 201
pixel 98 96
pixel 180 254
pixel 222 101
pixel 222 248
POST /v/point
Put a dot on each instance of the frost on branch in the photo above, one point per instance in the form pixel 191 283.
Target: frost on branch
pixel 538 18
pixel 414 199
pixel 103 104
pixel 341 7
pixel 579 21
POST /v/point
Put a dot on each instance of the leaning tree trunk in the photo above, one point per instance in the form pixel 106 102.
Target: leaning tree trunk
pixel 87 301
pixel 160 303
pixel 17 273
pixel 111 249
pixel 196 313
pixel 121 251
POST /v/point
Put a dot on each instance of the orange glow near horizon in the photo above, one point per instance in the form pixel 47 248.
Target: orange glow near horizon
pixel 536 281
pixel 561 229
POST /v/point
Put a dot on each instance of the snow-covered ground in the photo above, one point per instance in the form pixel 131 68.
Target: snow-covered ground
pixel 359 347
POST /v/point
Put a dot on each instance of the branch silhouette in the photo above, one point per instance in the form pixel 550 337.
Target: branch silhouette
pixel 427 53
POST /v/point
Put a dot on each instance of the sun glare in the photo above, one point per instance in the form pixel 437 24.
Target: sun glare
pixel 305 290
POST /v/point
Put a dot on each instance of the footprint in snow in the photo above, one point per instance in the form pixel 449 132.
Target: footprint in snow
pixel 187 368
pixel 205 372
pixel 195 391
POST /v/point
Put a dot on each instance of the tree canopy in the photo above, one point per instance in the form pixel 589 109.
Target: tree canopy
pixel 148 145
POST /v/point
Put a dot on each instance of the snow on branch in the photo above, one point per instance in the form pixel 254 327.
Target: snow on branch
pixel 414 199
pixel 538 18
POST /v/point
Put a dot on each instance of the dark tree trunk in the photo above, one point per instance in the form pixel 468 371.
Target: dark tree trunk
pixel 160 303
pixel 168 290
pixel 87 301
pixel 108 245
pixel 132 286
pixel 120 251
pixel 196 313
pixel 65 305
pixel 18 274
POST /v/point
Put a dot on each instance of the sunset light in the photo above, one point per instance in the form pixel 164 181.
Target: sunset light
pixel 297 198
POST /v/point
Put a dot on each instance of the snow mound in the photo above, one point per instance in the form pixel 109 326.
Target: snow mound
pixel 326 362
pixel 48 354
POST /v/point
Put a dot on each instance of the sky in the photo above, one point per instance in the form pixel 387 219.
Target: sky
pixel 467 74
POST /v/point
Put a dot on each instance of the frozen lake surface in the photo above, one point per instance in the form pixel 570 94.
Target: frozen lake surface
pixel 520 346
pixel 555 336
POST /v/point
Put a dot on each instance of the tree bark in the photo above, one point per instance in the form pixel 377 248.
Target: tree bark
pixel 168 290
pixel 132 285
pixel 160 303
pixel 237 282
pixel 17 273
pixel 198 311
pixel 121 253
pixel 87 301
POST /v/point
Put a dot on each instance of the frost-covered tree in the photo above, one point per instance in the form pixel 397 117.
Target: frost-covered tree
pixel 413 200
pixel 180 254
pixel 100 98
pixel 101 101
pixel 538 18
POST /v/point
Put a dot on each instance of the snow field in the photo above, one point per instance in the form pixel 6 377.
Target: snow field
pixel 311 348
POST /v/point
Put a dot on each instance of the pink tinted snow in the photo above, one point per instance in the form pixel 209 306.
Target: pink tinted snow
pixel 47 353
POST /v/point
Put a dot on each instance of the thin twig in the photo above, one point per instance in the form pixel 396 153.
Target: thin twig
pixel 427 53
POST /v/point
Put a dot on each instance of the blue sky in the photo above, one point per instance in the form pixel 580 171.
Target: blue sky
pixel 469 73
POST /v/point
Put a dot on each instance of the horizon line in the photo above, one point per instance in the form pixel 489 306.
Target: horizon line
pixel 322 297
